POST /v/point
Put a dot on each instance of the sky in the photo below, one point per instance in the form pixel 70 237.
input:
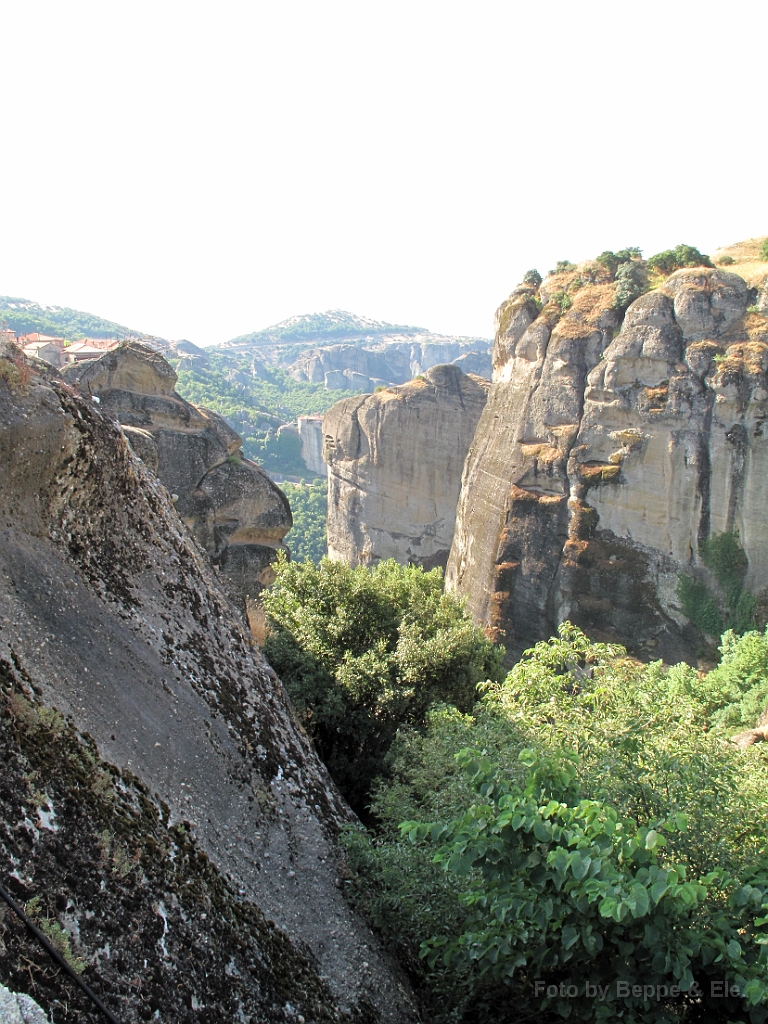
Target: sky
pixel 204 170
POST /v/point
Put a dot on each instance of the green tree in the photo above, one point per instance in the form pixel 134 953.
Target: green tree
pixel 362 652
pixel 593 750
pixel 675 259
pixel 309 506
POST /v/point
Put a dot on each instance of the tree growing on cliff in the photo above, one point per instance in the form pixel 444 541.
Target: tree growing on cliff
pixel 363 652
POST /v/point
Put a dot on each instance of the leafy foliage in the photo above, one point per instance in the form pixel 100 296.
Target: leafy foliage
pixel 362 652
pixel 733 606
pixel 669 260
pixel 309 506
pixel 532 277
pixel 764 250
pixel 631 282
pixel 613 260
pixel 573 889
pixel 605 833
pixel 562 266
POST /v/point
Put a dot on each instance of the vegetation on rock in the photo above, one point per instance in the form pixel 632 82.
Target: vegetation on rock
pixel 728 607
pixel 669 260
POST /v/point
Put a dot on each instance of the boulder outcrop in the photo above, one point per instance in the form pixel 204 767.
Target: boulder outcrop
pixel 611 447
pixel 231 506
pixel 158 804
pixel 394 468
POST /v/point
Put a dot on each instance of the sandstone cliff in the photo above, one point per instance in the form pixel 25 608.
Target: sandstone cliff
pixel 394 468
pixel 173 807
pixel 231 506
pixel 610 448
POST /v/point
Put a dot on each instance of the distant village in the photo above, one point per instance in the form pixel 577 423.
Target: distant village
pixel 57 351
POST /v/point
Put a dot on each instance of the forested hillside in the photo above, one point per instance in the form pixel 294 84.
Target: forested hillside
pixel 26 317
pixel 255 401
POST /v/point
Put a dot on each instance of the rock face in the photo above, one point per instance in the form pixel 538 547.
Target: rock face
pixel 394 468
pixel 19 1009
pixel 169 715
pixel 311 434
pixel 231 506
pixel 609 449
pixel 351 367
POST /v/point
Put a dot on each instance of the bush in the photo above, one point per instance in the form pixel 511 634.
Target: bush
pixel 567 889
pixel 362 652
pixel 631 282
pixel 532 277
pixel 764 250
pixel 562 266
pixel 606 832
pixel 613 260
pixel 675 259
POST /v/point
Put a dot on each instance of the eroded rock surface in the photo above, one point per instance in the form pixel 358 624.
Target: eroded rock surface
pixel 353 367
pixel 394 468
pixel 609 449
pixel 231 506
pixel 110 613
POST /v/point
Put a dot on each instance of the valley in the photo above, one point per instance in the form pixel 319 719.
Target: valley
pixel 504 747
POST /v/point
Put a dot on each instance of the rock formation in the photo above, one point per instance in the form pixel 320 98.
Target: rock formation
pixel 352 367
pixel 610 448
pixel 231 506
pixel 394 468
pixel 311 434
pixel 170 808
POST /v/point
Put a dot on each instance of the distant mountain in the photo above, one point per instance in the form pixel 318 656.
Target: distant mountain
pixel 335 325
pixel 26 317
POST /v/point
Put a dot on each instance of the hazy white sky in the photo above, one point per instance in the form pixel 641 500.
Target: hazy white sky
pixel 201 170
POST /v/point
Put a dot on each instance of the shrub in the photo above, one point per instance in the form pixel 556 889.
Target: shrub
pixel 675 259
pixel 362 652
pixel 532 277
pixel 726 261
pixel 586 755
pixel 631 282
pixel 562 266
pixel 562 300
pixel 613 260
pixel 566 889
pixel 764 250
